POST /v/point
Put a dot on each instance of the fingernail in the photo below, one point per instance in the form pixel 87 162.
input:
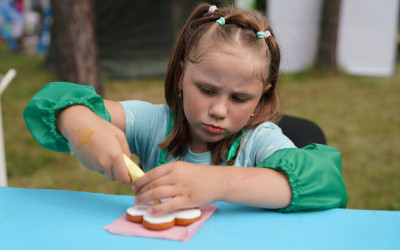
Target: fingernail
pixel 134 187
pixel 150 210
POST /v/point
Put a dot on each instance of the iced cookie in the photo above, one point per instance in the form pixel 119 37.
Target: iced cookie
pixel 139 214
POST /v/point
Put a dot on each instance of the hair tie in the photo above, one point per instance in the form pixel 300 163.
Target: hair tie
pixel 264 35
pixel 212 9
pixel 260 34
pixel 221 21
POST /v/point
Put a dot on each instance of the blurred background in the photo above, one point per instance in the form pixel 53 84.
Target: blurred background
pixel 340 69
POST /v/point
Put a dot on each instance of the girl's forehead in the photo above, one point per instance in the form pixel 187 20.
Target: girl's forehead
pixel 241 60
pixel 219 67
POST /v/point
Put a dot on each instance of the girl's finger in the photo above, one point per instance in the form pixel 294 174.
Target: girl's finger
pixel 124 144
pixel 171 205
pixel 158 193
pixel 151 176
pixel 108 173
pixel 120 170
pixel 161 181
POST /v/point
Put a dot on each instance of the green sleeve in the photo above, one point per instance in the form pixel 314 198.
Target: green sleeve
pixel 41 113
pixel 315 176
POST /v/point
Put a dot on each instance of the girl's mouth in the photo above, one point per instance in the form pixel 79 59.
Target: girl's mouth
pixel 213 129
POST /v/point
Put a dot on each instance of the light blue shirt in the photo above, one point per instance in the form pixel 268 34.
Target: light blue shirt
pixel 146 127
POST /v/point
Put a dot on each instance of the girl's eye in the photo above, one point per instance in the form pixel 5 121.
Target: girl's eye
pixel 239 99
pixel 207 91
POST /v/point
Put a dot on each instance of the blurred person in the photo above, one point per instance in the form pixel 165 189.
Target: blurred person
pixel 12 23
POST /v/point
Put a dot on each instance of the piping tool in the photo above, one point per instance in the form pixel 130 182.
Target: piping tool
pixel 134 170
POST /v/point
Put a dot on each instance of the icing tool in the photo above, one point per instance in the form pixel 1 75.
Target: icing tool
pixel 134 170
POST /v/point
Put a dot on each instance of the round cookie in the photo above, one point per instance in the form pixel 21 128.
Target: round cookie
pixel 187 216
pixel 136 213
pixel 158 222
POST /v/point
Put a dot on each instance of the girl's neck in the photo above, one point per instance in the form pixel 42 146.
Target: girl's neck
pixel 198 147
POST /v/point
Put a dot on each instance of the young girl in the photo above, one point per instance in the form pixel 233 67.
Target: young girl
pixel 215 140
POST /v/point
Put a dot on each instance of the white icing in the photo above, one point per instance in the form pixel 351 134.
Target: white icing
pixel 158 219
pixel 188 214
pixel 138 210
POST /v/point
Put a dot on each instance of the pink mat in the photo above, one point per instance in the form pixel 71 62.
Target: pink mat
pixel 181 233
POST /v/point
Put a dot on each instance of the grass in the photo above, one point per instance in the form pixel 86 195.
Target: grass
pixel 359 115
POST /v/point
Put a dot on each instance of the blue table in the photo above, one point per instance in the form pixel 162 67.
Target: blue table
pixel 56 219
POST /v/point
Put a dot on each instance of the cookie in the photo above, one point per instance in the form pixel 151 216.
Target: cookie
pixel 185 217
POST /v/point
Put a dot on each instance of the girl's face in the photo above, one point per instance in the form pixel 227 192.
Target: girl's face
pixel 219 96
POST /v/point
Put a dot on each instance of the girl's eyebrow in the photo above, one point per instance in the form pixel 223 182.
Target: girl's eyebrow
pixel 245 95
pixel 202 82
pixel 238 94
pixel 201 79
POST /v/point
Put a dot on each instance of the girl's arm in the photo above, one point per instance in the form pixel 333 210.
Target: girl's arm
pixel 315 176
pixel 97 143
pixel 117 114
pixel 64 116
pixel 292 179
pixel 192 185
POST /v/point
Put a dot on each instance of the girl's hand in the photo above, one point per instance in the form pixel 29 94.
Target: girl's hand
pixel 187 185
pixel 97 144
pixel 190 185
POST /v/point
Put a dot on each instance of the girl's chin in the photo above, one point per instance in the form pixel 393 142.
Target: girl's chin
pixel 214 139
pixel 205 136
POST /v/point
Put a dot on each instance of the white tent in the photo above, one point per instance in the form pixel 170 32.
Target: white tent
pixel 296 27
pixel 367 37
pixel 367 34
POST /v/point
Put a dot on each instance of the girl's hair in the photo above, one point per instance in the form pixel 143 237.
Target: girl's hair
pixel 201 34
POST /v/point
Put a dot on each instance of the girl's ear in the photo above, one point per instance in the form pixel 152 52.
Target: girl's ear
pixel 266 88
pixel 180 83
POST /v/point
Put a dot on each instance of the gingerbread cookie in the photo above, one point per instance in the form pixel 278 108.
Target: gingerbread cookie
pixel 139 214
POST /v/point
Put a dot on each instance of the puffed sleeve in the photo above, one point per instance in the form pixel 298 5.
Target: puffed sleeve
pixel 41 113
pixel 315 176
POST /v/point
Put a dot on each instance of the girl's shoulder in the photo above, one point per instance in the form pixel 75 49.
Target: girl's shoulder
pixel 266 128
pixel 143 106
pixel 262 141
pixel 267 133
pixel 145 111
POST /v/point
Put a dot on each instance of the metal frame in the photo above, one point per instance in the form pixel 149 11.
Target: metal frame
pixel 4 82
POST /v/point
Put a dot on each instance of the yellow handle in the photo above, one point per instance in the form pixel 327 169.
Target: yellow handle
pixel 134 170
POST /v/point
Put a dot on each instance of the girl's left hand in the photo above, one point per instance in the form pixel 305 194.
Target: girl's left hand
pixel 187 185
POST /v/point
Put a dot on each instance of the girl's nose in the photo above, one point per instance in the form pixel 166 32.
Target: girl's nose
pixel 219 108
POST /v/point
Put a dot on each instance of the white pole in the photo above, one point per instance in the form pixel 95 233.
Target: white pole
pixel 3 169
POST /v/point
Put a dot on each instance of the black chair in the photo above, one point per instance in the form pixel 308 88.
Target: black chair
pixel 301 131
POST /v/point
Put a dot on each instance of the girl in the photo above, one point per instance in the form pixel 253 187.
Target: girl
pixel 214 140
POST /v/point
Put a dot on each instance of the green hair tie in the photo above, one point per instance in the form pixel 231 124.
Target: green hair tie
pixel 221 21
pixel 260 34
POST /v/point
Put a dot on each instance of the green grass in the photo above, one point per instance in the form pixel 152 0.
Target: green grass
pixel 359 115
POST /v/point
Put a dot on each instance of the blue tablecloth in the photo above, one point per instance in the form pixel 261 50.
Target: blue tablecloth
pixel 56 219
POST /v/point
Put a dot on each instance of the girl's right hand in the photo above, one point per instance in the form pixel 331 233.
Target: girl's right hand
pixel 98 144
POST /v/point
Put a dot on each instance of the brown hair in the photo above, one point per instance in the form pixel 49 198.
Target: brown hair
pixel 199 35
